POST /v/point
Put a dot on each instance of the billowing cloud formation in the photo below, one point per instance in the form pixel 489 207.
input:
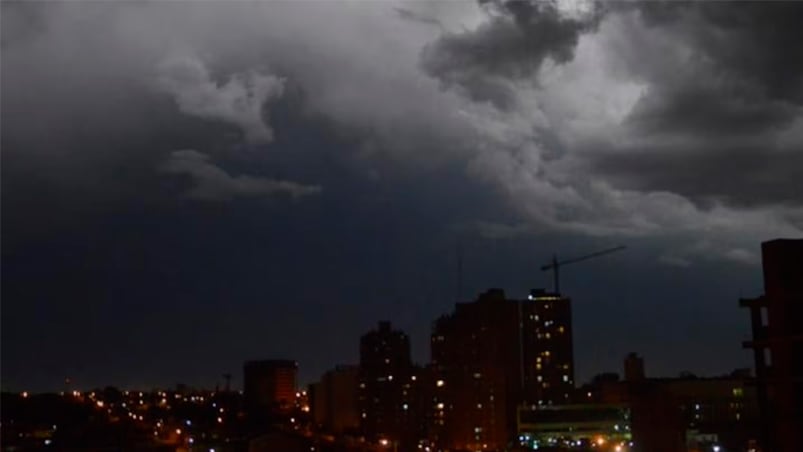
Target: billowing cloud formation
pixel 212 183
pixel 642 124
pixel 635 120
pixel 239 101
pixel 517 38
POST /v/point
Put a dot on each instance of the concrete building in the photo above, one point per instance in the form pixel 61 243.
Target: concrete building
pixel 777 344
pixel 335 400
pixel 492 355
pixel 390 388
pixel 269 386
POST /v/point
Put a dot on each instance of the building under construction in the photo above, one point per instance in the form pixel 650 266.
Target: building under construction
pixel 777 344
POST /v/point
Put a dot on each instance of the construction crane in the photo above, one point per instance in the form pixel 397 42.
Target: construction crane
pixel 556 264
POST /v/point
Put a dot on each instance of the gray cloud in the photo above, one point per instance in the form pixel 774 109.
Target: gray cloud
pixel 212 183
pixel 515 41
pixel 581 122
pixel 239 101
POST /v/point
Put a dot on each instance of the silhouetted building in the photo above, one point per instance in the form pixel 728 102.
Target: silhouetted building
pixel 684 413
pixel 269 386
pixel 388 388
pixel 492 355
pixel 634 367
pixel 777 324
pixel 334 401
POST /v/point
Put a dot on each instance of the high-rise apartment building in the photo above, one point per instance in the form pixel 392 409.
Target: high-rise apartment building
pixel 389 389
pixel 491 356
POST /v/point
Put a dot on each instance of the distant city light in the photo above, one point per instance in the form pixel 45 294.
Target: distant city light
pixel 439 383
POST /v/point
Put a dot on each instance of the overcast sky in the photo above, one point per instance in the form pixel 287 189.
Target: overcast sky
pixel 187 185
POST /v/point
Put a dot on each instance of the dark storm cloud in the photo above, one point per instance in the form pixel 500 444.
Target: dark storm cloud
pixel 753 40
pixel 668 119
pixel 742 73
pixel 517 38
pixel 721 117
pixel 98 97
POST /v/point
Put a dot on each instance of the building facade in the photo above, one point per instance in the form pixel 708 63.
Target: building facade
pixel 269 386
pixel 389 389
pixel 335 400
pixel 777 344
pixel 492 355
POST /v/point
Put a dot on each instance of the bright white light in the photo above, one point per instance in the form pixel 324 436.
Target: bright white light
pixel 439 383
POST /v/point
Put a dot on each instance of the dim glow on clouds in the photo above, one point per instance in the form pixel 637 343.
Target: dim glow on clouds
pixel 359 63
pixel 240 100
pixel 212 183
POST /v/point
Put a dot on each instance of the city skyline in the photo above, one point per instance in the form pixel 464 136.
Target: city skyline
pixel 189 186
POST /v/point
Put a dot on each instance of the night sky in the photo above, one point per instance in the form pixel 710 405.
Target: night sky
pixel 188 185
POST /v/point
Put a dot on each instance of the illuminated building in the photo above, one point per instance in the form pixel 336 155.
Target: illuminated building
pixel 777 324
pixel 269 386
pixel 684 413
pixel 492 355
pixel 389 388
pixel 574 426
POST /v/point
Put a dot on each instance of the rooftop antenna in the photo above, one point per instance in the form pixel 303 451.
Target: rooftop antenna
pixel 459 271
